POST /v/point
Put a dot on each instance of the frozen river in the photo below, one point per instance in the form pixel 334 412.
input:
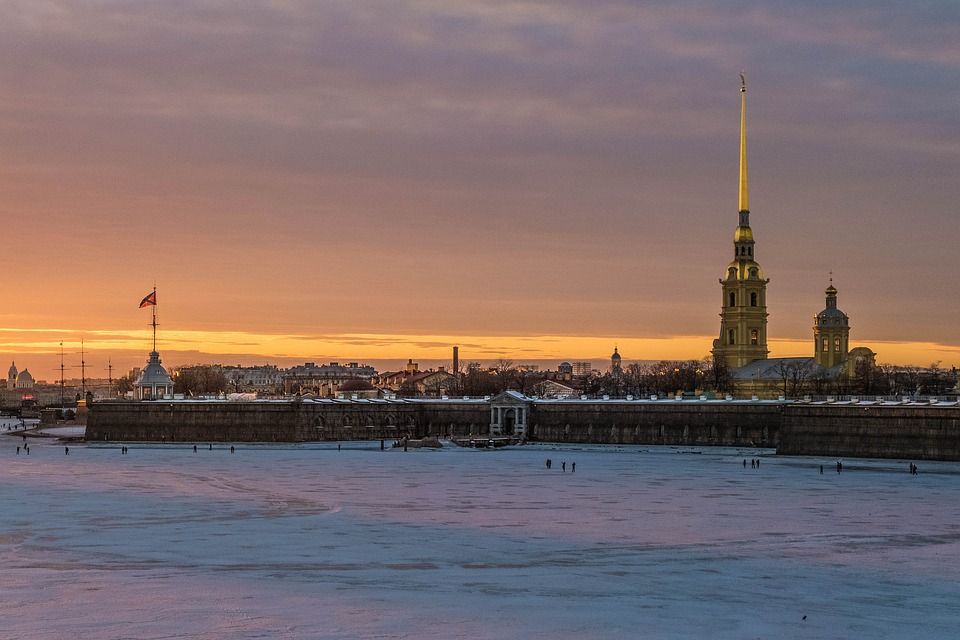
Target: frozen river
pixel 312 542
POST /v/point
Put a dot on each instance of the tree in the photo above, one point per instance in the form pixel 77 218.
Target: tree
pixel 474 381
pixel 793 377
pixel 199 380
pixel 932 381
pixel 864 379
pixel 505 374
pixel 718 373
pixel 125 384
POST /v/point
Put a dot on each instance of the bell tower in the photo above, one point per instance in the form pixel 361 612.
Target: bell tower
pixel 743 316
pixel 831 332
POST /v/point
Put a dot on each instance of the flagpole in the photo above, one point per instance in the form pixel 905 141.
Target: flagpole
pixel 61 374
pixel 154 318
pixel 83 371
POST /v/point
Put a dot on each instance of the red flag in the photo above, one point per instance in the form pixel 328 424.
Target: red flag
pixel 149 299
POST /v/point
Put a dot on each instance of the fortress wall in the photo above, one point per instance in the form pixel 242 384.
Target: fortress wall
pixel 194 422
pixel 203 421
pixel 458 419
pixel 682 423
pixel 907 432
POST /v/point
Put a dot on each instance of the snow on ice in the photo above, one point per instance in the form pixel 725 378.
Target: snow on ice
pixel 305 541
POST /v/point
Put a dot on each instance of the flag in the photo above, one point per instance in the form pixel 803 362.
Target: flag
pixel 149 299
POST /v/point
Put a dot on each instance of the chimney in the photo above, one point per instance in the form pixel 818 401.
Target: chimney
pixel 456 361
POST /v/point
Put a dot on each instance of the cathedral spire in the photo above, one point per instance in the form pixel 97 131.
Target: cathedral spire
pixel 743 319
pixel 744 197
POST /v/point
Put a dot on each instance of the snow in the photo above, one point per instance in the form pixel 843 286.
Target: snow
pixel 311 542
pixel 67 431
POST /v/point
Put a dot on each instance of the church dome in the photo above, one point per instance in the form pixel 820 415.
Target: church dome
pixel 24 379
pixel 831 312
pixel 831 315
pixel 616 355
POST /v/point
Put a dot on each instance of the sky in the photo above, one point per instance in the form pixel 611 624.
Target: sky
pixel 539 181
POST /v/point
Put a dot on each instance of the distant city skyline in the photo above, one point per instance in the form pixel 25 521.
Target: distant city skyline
pixel 535 181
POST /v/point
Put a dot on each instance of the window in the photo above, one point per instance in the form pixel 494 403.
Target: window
pixel 753 298
pixel 749 251
pixel 732 336
pixel 826 345
pixel 754 336
pixel 733 299
pixel 836 345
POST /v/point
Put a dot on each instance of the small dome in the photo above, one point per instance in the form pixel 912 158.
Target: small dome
pixel 356 385
pixel 743 234
pixel 831 290
pixel 154 373
pixel 831 312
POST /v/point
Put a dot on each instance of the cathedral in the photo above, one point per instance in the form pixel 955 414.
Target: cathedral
pixel 18 380
pixel 742 344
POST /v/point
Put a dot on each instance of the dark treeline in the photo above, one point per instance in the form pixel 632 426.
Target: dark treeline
pixel 900 380
pixel 197 380
pixel 660 378
pixel 668 377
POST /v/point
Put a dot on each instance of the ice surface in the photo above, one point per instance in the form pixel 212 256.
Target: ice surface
pixel 310 542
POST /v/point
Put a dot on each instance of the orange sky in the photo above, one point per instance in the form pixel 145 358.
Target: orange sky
pixel 376 181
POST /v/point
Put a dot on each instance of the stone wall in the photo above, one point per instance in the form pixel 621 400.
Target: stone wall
pixel 195 421
pixel 835 430
pixel 203 421
pixel 679 423
pixel 905 432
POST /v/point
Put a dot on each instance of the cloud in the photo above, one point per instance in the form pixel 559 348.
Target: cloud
pixel 296 169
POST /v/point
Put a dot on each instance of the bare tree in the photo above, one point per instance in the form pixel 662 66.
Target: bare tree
pixel 505 374
pixel 124 384
pixel 718 373
pixel 199 380
pixel 793 377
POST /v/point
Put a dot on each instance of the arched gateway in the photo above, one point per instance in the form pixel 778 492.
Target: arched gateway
pixel 509 414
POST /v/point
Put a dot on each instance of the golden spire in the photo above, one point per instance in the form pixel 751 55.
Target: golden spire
pixel 744 198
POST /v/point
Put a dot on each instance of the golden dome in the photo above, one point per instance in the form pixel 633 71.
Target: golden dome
pixel 743 234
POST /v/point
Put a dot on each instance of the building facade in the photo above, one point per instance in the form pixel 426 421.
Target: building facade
pixel 263 379
pixel 323 380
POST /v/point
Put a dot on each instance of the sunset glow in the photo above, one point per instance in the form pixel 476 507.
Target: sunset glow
pixel 533 181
